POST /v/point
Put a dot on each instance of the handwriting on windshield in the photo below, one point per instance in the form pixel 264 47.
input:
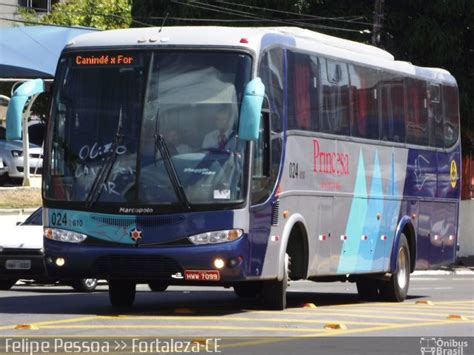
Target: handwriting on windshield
pixel 120 175
pixel 87 152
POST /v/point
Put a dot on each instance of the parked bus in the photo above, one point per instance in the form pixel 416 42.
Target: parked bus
pixel 248 157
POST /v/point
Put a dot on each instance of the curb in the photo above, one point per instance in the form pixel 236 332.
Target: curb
pixel 17 211
pixel 458 271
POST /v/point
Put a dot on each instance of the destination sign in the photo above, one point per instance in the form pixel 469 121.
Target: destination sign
pixel 106 60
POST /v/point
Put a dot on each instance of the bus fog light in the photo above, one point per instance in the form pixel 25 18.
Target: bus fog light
pixel 60 262
pixel 219 263
pixel 235 261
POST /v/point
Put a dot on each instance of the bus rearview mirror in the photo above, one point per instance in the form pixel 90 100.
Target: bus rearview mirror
pixel 251 110
pixel 17 104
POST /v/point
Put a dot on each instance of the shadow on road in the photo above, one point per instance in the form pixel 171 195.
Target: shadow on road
pixel 195 302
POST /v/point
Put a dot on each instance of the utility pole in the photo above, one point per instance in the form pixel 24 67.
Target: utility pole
pixel 378 20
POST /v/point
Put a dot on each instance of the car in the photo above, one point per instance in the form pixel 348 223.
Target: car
pixel 11 153
pixel 22 256
pixel 3 168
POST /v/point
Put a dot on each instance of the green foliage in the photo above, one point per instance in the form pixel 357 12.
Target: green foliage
pixel 101 14
pixel 436 33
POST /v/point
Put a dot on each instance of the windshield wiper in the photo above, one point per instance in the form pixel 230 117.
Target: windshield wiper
pixel 165 154
pixel 109 163
pixel 161 145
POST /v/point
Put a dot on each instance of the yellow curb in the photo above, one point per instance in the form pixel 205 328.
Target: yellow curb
pixel 334 326
pixel 183 311
pixel 457 317
pixel 429 303
pixel 26 326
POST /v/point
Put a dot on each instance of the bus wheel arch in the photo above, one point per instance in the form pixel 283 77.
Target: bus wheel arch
pixel 297 250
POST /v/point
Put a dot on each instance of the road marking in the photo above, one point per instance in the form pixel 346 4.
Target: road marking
pixel 59 321
pixel 370 311
pixel 246 319
pixel 340 333
pixel 421 309
pixel 181 326
pixel 393 326
pixel 357 315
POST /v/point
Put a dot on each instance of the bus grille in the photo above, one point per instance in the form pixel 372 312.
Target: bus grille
pixel 148 221
pixel 141 266
pixel 275 212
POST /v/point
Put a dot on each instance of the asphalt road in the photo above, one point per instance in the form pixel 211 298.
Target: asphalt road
pixel 324 316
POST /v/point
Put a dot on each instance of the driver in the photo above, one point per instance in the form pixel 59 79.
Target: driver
pixel 223 136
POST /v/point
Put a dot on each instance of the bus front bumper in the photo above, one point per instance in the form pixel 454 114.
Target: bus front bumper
pixel 175 265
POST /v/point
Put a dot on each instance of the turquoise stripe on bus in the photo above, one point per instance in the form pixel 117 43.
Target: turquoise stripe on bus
pixel 367 248
pixel 354 228
pixel 110 228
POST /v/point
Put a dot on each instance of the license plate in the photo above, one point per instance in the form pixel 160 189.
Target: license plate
pixel 202 275
pixel 18 264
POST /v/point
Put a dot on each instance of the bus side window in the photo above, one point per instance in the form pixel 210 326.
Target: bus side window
pixel 335 115
pixel 365 123
pixel 391 99
pixel 261 182
pixel 417 118
pixel 451 115
pixel 435 115
pixel 301 83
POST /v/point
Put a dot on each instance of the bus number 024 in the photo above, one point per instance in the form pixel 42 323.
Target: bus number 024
pixel 59 219
pixel 293 170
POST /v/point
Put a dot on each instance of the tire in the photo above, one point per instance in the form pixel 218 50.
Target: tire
pixel 157 286
pixel 122 293
pixel 84 285
pixel 7 284
pixel 274 291
pixel 367 289
pixel 396 289
pixel 248 289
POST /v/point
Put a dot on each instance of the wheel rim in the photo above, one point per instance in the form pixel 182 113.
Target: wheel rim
pixel 90 282
pixel 402 273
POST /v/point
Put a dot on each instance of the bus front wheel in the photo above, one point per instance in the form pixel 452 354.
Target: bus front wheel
pixel 248 289
pixel 122 293
pixel 274 291
pixel 396 288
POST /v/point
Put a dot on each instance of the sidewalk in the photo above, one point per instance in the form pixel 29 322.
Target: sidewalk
pixel 447 270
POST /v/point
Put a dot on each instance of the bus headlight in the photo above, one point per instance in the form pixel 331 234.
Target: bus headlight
pixel 62 235
pixel 216 236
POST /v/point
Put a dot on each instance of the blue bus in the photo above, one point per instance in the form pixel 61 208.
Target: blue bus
pixel 249 158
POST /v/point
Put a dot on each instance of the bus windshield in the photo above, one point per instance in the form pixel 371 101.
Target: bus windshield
pixel 148 128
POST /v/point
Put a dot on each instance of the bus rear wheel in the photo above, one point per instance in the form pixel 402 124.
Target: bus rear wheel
pixel 367 289
pixel 122 293
pixel 396 288
pixel 274 291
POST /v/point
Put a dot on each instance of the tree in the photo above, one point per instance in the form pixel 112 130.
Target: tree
pixel 437 33
pixel 101 14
